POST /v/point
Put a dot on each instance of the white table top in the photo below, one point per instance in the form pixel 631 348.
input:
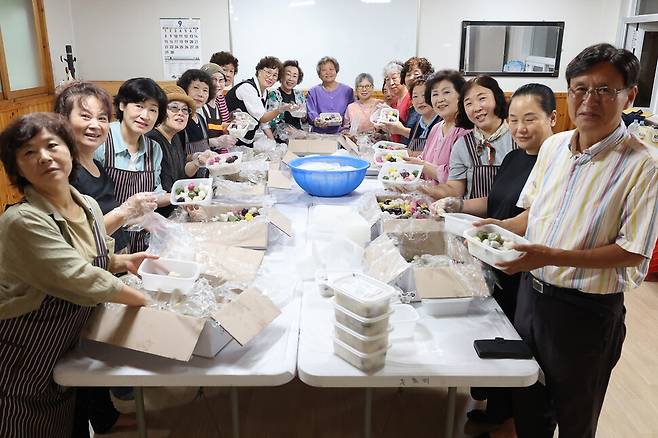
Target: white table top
pixel 441 353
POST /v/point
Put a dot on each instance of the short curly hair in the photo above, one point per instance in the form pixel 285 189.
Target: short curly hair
pixel 269 62
pixel 292 63
pixel 423 64
pixel 195 74
pixel 325 60
pixel 224 58
pixel 24 129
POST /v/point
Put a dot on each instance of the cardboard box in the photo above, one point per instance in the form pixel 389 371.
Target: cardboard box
pixel 321 146
pixel 387 261
pixel 175 336
pixel 245 234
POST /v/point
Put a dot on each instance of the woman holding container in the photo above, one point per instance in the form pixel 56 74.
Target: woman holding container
pixel 328 97
pixel 56 263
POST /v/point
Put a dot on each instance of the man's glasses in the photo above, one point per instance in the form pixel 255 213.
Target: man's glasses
pixel 604 92
pixel 176 109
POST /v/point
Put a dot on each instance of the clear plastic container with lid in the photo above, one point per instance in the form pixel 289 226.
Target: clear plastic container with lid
pixel 364 344
pixel 365 362
pixel 483 249
pixel 363 326
pixel 168 275
pixel 457 223
pixel 363 295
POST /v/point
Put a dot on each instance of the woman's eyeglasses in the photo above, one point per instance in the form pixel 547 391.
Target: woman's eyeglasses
pixel 176 109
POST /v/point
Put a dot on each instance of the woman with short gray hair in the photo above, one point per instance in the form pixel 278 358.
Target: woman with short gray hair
pixel 401 97
pixel 328 97
pixel 358 112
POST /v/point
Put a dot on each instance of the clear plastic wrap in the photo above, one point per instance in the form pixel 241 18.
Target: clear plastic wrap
pixel 226 190
pixel 168 238
pixel 478 277
pixel 285 132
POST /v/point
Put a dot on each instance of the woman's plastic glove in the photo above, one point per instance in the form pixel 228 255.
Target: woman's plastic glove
pixel 447 205
pixel 223 141
pixel 138 205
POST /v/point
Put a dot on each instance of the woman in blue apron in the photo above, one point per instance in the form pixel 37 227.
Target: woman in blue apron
pixel 56 263
pixel 132 160
pixel 476 157
pixel 250 96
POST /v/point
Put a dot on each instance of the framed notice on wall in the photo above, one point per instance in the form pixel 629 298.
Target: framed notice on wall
pixel 181 45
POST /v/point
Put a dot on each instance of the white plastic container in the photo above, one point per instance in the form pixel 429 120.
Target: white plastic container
pixel 219 169
pixel 331 119
pixel 363 295
pixel 365 362
pixel 157 275
pixel 403 320
pixel 324 279
pixel 489 255
pixel 363 326
pixel 207 182
pixel 238 130
pixel 457 223
pixel 385 114
pixel 398 168
pixel 363 344
pixel 378 157
pixel 447 307
pixel 388 146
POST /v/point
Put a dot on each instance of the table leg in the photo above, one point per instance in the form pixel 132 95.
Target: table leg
pixel 235 412
pixel 140 412
pixel 450 412
pixel 367 415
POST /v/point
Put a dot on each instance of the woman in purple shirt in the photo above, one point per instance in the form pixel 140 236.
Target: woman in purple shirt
pixel 328 97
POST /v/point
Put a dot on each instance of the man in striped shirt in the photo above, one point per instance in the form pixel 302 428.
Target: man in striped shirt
pixel 591 219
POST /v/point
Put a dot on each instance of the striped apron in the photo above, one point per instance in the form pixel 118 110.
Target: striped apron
pixel 483 174
pixel 192 147
pixel 32 405
pixel 130 182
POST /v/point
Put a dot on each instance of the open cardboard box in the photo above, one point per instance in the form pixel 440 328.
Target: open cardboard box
pixel 245 234
pixel 175 336
pixel 321 146
pixel 387 262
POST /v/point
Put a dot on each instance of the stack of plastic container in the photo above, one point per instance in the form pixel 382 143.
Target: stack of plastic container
pixel 362 309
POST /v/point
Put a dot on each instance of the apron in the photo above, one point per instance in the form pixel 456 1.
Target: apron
pixel 192 147
pixel 214 121
pixel 31 403
pixel 483 174
pixel 130 182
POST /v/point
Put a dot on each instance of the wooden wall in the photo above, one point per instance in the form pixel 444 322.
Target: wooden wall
pixel 12 109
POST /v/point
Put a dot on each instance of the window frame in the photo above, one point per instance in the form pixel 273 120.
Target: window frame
pixel 6 93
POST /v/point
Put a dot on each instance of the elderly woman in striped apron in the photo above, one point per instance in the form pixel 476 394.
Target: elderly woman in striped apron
pixel 476 157
pixel 132 160
pixel 196 137
pixel 56 263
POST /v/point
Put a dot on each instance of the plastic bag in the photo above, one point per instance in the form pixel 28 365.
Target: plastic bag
pixel 168 238
pixel 285 132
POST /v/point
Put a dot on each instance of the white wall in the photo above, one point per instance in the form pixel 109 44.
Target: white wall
pixel 586 22
pixel 59 23
pixel 119 39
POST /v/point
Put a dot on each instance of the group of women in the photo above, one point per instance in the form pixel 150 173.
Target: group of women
pixel 84 177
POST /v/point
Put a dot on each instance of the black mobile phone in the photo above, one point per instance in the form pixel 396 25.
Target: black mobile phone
pixel 500 348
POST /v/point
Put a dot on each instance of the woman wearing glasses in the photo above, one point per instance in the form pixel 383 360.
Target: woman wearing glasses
pixel 359 111
pixel 329 97
pixel 250 96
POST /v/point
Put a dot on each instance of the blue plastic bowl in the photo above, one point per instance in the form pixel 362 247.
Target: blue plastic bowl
pixel 329 183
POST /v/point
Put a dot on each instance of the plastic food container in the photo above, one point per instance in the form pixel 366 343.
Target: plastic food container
pixel 389 173
pixel 380 156
pixel 324 278
pixel 363 295
pixel 329 183
pixel 206 183
pixel 489 255
pixel 238 130
pixel 388 146
pixel 331 119
pixel 457 223
pixel 365 362
pixel 168 275
pixel 298 111
pixel 222 167
pixel 385 115
pixel 403 320
pixel 363 344
pixel 447 307
pixel 363 326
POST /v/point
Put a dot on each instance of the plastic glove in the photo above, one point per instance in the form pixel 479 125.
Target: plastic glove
pixel 223 141
pixel 447 205
pixel 138 205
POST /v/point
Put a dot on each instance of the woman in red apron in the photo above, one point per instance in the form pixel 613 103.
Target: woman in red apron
pixel 55 266
pixel 132 160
